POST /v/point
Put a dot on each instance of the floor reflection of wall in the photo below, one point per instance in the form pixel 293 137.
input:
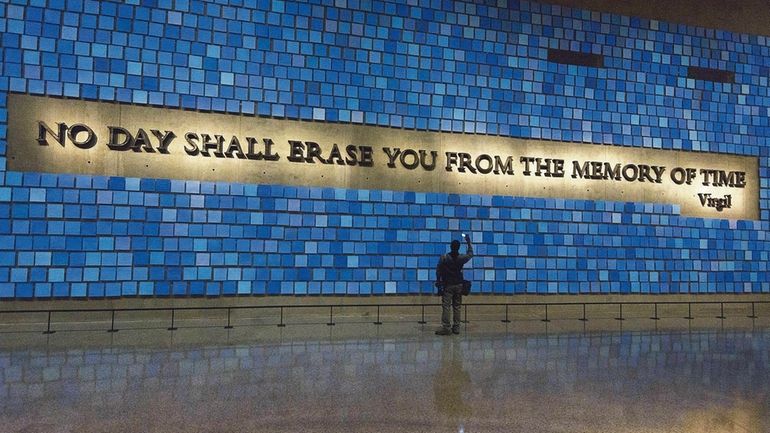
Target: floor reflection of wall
pixel 501 379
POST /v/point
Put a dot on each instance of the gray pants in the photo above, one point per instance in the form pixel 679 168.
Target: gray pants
pixel 451 300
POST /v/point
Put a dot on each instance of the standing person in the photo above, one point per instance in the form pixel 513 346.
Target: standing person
pixel 451 284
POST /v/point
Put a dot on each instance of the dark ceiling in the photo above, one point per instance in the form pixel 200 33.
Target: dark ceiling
pixel 744 16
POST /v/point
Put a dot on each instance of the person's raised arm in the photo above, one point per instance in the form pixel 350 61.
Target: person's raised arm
pixel 468 250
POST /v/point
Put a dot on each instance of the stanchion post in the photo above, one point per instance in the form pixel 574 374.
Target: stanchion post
pixel 172 327
pixel 112 323
pixel 48 326
pixel 721 311
pixel 584 319
pixel 506 315
pixel 753 315
pixel 465 311
pixel 546 314
pixel 620 317
pixel 655 316
pixel 229 326
pixel 378 316
pixel 422 320
pixel 281 324
pixel 689 311
pixel 331 316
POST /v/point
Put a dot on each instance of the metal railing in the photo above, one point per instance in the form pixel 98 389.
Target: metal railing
pixel 504 310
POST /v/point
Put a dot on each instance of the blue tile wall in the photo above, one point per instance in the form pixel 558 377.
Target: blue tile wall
pixel 473 67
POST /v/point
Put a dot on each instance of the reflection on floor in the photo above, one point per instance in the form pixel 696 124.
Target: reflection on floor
pixel 646 376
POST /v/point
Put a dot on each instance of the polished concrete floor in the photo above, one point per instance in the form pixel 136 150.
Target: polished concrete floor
pixel 637 375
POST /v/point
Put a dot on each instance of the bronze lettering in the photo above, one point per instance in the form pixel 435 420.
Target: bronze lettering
pixel 367 158
pixel 191 147
pixel 392 155
pixel 314 152
pixel 77 130
pixel 234 148
pixel 43 130
pixel 296 151
pixel 503 167
pixel 490 165
pixel 120 138
pixel 335 157
pixel 465 162
pixel 451 159
pixel 142 142
pixel 428 166
pixel 164 139
pixel 413 155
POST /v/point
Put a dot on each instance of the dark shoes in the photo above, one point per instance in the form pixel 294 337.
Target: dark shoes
pixel 455 331
pixel 445 331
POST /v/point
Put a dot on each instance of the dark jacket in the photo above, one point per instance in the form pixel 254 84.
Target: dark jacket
pixel 449 270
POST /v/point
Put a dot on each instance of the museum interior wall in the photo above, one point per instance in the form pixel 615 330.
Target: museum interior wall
pixel 162 148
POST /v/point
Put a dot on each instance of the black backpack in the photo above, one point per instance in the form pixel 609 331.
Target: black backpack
pixel 451 269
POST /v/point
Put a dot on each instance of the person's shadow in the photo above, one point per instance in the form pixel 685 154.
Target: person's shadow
pixel 450 381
